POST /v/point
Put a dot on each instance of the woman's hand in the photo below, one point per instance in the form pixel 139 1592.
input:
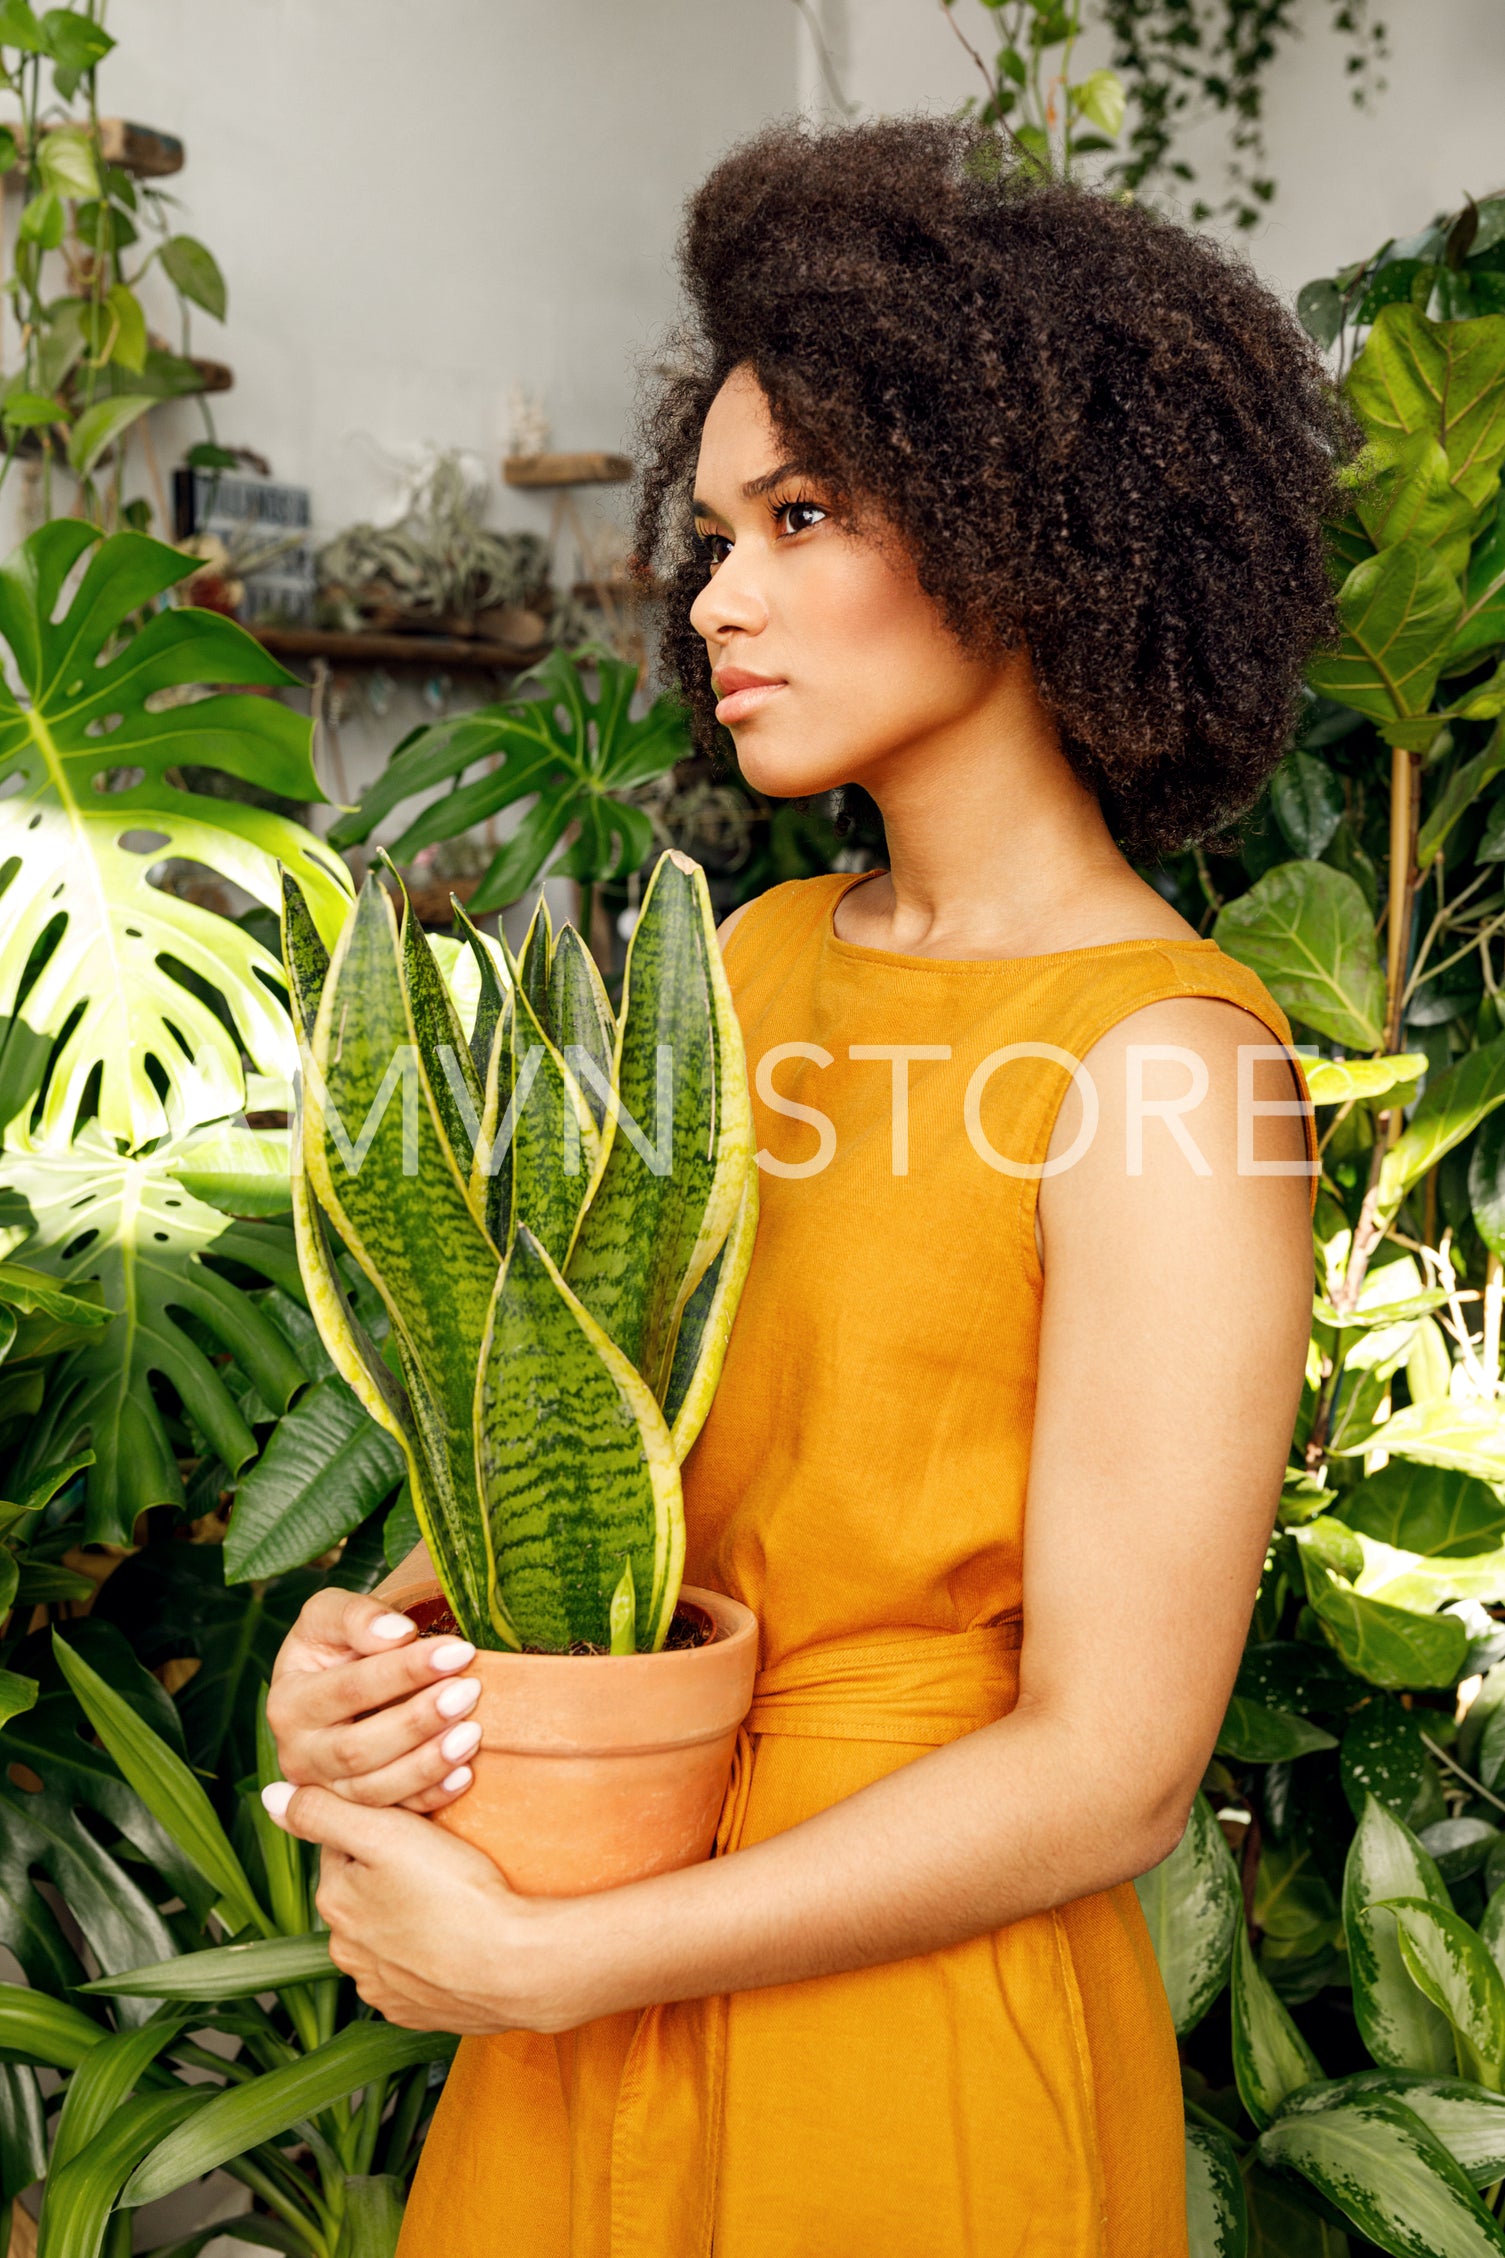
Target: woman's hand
pixel 360 1704
pixel 432 1935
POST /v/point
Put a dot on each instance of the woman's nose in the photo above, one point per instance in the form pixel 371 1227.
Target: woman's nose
pixel 729 603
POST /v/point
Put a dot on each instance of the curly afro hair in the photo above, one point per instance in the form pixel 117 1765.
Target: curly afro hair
pixel 1097 434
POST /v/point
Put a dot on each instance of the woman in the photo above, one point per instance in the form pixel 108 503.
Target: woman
pixel 1006 509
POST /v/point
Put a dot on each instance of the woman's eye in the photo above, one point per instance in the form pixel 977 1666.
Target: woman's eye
pixel 714 547
pixel 798 517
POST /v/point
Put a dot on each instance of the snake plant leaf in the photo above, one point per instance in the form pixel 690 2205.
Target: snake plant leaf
pixel 227 1971
pixel 442 1048
pixel 1305 928
pixel 575 1464
pixel 170 1791
pixel 1443 378
pixel 388 1180
pixel 659 1212
pixel 1467 2118
pixel 1217 2215
pixel 581 1018
pixel 326 1466
pixel 78 2201
pixel 1449 1966
pixel 1271 2059
pixel 1192 1904
pixel 705 1330
pixel 494 983
pixel 1398 2023
pixel 539 1148
pixel 535 963
pixel 132 1225
pixel 91 811
pixel 103 2079
pixel 305 959
pixel 1390 2174
pixel 577 752
pixel 242 2117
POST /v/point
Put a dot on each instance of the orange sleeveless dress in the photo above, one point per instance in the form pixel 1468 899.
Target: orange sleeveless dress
pixel 860 1484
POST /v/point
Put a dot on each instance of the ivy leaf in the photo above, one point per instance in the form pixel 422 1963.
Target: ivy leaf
pixel 194 272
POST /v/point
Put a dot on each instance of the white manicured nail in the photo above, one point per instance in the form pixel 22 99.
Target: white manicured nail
pixel 458 1696
pixel 453 1655
pixel 463 1741
pixel 277 1795
pixel 457 1780
pixel 391 1627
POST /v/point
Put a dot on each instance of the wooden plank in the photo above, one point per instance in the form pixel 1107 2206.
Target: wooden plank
pixel 590 469
pixel 462 653
pixel 140 149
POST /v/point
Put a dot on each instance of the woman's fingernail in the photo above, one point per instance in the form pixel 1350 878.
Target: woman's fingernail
pixel 458 1696
pixel 277 1795
pixel 391 1626
pixel 463 1741
pixel 458 1779
pixel 453 1655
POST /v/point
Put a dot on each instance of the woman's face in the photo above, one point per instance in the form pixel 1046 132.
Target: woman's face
pixel 828 659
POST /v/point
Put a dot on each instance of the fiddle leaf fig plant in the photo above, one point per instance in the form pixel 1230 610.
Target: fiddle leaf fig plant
pixel 148 997
pixel 557 1210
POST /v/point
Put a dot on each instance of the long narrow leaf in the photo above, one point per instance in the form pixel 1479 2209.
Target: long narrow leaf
pixel 1401 2028
pixel 705 1330
pixel 107 2074
pixel 1192 1905
pixel 1446 1961
pixel 1270 2057
pixel 165 1785
pixel 79 2199
pixel 246 2115
pixel 47 2030
pixel 228 1971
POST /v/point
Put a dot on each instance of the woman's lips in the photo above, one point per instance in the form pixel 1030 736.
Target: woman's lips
pixel 743 695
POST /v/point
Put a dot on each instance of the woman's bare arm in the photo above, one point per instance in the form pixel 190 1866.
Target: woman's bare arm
pixel 1173 1336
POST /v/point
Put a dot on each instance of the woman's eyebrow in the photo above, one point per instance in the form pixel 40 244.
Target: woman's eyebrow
pixel 770 479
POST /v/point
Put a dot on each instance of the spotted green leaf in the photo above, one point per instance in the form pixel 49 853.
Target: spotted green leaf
pixel 584 1028
pixel 1399 2025
pixel 1217 2216
pixel 1192 1905
pixel 1390 2174
pixel 1270 2057
pixel 1467 2118
pixel 1450 1967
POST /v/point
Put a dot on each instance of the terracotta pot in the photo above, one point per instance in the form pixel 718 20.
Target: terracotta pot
pixel 597 1770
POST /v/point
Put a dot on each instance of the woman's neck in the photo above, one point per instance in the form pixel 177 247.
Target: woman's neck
pixel 995 846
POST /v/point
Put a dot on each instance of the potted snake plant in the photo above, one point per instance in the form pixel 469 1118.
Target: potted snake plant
pixel 558 1210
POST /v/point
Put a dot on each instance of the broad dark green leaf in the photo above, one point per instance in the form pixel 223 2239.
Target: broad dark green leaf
pixel 1305 929
pixel 1452 1105
pixel 1252 1734
pixel 1387 1645
pixel 1399 612
pixel 326 1466
pixel 1460 1846
pixel 1433 1510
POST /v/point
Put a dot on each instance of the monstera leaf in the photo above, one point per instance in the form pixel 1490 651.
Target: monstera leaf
pixel 132 1225
pixel 90 804
pixel 575 752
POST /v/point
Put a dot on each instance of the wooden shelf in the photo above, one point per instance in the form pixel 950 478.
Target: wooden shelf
pixel 456 653
pixel 136 149
pixel 592 469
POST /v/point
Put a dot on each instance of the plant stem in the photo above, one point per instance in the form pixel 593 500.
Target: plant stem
pixel 1468 1779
